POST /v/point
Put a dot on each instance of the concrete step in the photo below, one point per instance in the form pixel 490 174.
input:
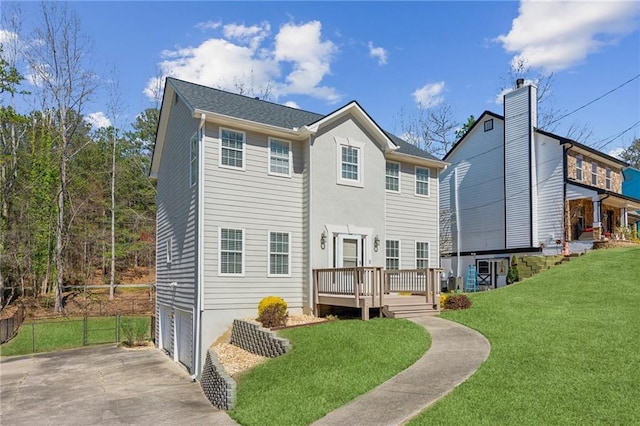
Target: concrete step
pixel 408 310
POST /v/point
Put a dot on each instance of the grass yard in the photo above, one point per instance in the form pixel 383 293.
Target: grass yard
pixel 67 333
pixel 329 365
pixel 565 348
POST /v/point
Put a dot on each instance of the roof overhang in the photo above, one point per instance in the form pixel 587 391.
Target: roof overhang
pixel 225 120
pixel 607 197
pixel 161 131
pixel 418 161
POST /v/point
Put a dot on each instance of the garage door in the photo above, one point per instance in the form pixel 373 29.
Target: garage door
pixel 184 338
pixel 166 340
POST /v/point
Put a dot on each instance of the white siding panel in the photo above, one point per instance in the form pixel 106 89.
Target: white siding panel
pixel 550 182
pixel 411 218
pixel 480 166
pixel 257 202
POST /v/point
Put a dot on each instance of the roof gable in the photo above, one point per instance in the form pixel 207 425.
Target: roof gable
pixel 464 137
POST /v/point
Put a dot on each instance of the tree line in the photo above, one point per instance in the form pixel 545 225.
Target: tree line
pixel 74 200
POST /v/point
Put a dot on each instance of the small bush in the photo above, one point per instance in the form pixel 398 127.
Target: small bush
pixel 443 300
pixel 134 331
pixel 513 274
pixel 457 301
pixel 272 312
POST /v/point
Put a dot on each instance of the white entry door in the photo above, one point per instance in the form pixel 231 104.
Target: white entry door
pixel 349 251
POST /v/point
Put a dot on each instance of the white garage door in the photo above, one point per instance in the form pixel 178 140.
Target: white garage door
pixel 184 338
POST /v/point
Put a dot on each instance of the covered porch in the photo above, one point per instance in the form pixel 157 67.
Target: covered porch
pixel 397 293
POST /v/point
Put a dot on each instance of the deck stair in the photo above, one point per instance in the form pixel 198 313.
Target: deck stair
pixel 406 307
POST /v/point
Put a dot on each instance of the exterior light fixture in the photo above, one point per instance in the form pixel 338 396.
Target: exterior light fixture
pixel 323 240
pixel 376 243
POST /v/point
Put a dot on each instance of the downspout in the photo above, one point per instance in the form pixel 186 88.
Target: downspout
pixel 455 188
pixel 200 284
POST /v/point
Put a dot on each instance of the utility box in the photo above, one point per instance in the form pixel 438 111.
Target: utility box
pixel 454 283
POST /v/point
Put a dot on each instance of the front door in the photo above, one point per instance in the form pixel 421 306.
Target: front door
pixel 349 251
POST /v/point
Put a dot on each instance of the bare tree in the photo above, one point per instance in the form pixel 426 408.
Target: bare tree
pixel 57 62
pixel 432 129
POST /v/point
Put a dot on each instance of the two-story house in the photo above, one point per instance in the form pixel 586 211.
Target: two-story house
pixel 257 199
pixel 514 189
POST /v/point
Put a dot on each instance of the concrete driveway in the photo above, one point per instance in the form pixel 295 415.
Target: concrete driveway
pixel 103 385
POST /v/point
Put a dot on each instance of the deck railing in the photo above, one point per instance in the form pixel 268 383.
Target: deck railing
pixel 375 282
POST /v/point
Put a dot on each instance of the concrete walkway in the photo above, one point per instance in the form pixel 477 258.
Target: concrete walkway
pixel 455 354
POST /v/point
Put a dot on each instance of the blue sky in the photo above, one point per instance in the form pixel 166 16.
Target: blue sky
pixel 389 56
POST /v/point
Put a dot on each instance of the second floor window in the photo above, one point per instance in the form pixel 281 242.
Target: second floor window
pixel 422 181
pixel 231 148
pixel 607 179
pixel 392 259
pixel 392 177
pixel 594 174
pixel 350 163
pixel 578 168
pixel 279 157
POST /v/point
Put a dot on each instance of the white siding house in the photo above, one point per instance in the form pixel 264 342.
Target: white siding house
pixel 253 197
pixel 512 188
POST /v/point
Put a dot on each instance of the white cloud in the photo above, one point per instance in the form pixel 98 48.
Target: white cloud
pixel 556 35
pixel 292 104
pixel 616 152
pixel 98 120
pixel 293 61
pixel 209 25
pixel 430 94
pixel 379 53
pixel 8 36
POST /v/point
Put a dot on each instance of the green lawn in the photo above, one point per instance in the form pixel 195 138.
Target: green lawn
pixel 329 365
pixel 565 348
pixel 65 333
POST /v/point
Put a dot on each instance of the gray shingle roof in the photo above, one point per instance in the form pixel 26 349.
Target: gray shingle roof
pixel 260 111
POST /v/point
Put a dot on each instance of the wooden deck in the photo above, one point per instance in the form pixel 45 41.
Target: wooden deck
pixel 398 293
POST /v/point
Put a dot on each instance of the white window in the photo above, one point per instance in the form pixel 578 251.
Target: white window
pixel 393 177
pixel 608 179
pixel 488 125
pixel 279 157
pixel 279 253
pixel 579 168
pixel 169 250
pixel 392 260
pixel 232 150
pixel 193 160
pixel 349 162
pixel 422 181
pixel 231 259
pixel 422 255
pixel 594 174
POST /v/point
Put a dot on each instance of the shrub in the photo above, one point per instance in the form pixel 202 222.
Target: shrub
pixel 457 301
pixel 443 300
pixel 272 312
pixel 513 275
pixel 134 331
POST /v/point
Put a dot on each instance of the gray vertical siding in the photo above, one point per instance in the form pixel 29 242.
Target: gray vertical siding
pixel 252 200
pixel 411 218
pixel 518 146
pixel 177 217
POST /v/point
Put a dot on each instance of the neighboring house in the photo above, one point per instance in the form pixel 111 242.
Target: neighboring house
pixel 258 199
pixel 513 189
pixel 631 188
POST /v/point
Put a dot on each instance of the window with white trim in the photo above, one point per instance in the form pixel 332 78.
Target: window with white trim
pixel 594 174
pixel 607 179
pixel 279 253
pixel 350 163
pixel 232 148
pixel 231 251
pixel 488 125
pixel 579 168
pixel 392 255
pixel 422 181
pixel 279 157
pixel 350 159
pixel 422 255
pixel 169 250
pixel 392 177
pixel 193 160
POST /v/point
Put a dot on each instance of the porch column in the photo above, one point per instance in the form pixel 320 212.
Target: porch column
pixel 597 217
pixel 624 218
